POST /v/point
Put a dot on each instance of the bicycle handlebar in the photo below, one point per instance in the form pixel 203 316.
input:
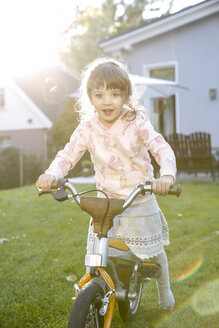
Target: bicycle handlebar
pixel 147 187
pixel 62 184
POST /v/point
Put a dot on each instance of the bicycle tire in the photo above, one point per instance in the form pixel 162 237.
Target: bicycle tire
pixel 85 310
pixel 127 308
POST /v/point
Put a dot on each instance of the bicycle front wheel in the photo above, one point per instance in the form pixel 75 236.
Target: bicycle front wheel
pixel 85 311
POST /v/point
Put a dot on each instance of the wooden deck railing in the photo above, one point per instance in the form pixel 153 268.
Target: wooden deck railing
pixel 193 152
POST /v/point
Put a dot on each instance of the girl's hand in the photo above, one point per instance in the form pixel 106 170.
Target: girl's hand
pixel 162 185
pixel 45 181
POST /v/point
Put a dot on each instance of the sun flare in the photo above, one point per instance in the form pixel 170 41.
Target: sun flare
pixel 31 32
pixel 26 39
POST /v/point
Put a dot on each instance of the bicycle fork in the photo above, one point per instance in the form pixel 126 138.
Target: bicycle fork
pixel 97 262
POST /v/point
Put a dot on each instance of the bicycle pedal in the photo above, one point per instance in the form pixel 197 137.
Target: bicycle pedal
pixel 149 270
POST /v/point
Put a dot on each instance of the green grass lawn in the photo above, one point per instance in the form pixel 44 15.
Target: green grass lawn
pixel 47 243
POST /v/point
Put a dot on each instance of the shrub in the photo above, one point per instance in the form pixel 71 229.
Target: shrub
pixel 10 168
pixel 33 167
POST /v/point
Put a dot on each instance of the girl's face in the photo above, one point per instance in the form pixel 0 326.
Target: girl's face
pixel 108 103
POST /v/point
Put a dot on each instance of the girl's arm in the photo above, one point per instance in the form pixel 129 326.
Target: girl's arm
pixel 65 159
pixel 162 153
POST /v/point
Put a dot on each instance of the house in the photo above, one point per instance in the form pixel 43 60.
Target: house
pixel 30 104
pixel 49 88
pixel 22 123
pixel 184 48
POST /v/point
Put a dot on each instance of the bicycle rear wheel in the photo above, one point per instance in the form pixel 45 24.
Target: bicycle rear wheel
pixel 85 311
pixel 129 308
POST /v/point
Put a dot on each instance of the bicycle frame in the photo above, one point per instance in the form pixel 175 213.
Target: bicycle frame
pixel 99 261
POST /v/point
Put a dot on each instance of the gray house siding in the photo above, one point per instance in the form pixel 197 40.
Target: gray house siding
pixel 198 70
pixel 156 50
pixel 195 48
pixel 30 141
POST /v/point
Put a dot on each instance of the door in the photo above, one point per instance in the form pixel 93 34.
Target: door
pixel 164 115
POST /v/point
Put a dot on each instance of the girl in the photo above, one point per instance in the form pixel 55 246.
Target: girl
pixel 118 136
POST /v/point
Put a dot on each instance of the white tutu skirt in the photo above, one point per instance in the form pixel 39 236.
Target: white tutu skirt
pixel 142 227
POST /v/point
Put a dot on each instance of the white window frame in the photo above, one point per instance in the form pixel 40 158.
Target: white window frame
pixel 148 67
pixel 2 97
pixel 5 141
pixel 149 103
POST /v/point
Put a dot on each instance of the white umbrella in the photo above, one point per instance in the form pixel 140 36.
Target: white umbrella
pixel 154 87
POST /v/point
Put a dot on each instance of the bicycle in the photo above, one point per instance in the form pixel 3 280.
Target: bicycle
pixel 115 273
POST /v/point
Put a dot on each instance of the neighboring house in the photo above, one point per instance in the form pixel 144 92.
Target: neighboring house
pixel 30 104
pixel 49 88
pixel 183 47
pixel 22 123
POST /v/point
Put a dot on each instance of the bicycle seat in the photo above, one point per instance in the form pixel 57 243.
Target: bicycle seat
pixel 97 207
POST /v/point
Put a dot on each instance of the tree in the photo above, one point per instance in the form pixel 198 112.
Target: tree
pixel 61 132
pixel 93 25
pixel 89 28
pixel 62 129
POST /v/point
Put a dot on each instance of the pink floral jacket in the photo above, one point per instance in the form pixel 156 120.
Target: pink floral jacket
pixel 119 154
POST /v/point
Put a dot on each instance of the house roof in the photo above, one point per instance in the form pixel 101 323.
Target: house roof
pixel 19 111
pixel 160 26
pixel 49 88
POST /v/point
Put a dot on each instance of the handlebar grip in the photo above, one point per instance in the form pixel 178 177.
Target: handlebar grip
pixel 175 190
pixel 44 192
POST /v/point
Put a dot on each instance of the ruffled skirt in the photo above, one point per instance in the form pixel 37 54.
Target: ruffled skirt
pixel 142 227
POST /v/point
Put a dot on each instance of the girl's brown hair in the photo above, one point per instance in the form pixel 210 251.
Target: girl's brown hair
pixel 113 74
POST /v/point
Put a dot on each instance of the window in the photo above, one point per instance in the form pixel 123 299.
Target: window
pixel 2 97
pixel 163 113
pixel 5 142
pixel 166 73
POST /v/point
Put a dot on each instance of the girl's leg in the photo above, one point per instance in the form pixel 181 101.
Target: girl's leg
pixel 166 299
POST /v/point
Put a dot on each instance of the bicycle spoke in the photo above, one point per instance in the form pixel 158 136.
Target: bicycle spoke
pixel 92 318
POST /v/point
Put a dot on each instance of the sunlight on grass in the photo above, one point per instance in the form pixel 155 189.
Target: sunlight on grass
pixel 47 243
pixel 206 300
pixel 199 310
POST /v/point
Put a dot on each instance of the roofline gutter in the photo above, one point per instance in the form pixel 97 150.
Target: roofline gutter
pixel 172 22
